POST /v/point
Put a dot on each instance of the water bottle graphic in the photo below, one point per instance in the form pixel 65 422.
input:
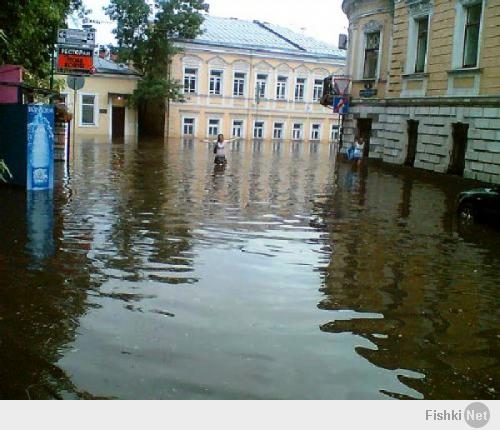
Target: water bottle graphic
pixel 40 152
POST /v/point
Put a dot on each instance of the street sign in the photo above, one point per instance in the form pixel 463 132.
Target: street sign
pixel 75 82
pixel 76 37
pixel 368 92
pixel 341 105
pixel 75 59
pixel 341 85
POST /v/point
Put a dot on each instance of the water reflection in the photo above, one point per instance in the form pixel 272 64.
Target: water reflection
pixel 40 214
pixel 279 275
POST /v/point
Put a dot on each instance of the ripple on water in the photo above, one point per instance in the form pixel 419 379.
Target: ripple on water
pixel 286 274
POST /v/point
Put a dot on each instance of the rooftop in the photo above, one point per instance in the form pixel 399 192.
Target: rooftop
pixel 258 35
pixel 106 66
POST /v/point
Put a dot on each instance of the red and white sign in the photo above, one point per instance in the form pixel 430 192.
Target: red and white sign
pixel 75 60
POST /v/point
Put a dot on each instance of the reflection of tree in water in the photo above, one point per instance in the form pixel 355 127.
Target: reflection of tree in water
pixel 120 215
pixel 149 236
pixel 39 307
pixel 436 294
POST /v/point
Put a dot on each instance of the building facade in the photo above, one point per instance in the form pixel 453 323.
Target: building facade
pixel 253 80
pixel 102 109
pixel 426 83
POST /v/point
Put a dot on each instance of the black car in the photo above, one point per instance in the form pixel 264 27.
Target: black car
pixel 480 205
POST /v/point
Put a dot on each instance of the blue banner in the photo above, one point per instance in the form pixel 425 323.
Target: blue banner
pixel 40 147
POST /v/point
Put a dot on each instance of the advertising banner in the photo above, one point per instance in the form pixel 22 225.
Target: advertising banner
pixel 40 157
pixel 75 60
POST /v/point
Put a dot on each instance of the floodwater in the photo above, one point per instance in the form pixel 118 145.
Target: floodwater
pixel 285 275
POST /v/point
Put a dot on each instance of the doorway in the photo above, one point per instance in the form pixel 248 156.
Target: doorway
pixel 365 132
pixel 412 143
pixel 118 122
pixel 457 159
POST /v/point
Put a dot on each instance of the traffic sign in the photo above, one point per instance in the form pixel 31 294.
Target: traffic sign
pixel 76 37
pixel 75 82
pixel 341 105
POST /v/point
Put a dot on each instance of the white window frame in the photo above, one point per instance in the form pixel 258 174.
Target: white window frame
pixel 412 46
pixel 363 56
pixel 259 81
pixel 245 83
pixel 459 33
pixel 242 128
pixel 319 129
pixel 262 129
pixel 95 124
pixel 282 130
pixel 196 78
pixel 304 86
pixel 334 132
pixel 317 89
pixel 219 127
pixel 215 78
pixel 282 86
pixel 184 118
pixel 301 131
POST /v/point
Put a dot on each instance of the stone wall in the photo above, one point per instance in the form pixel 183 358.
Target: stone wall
pixel 389 139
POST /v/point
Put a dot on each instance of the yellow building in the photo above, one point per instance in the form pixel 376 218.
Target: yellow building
pixel 253 80
pixel 426 83
pixel 101 109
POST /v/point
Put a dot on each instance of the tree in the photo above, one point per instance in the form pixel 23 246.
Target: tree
pixel 28 30
pixel 131 18
pixel 150 46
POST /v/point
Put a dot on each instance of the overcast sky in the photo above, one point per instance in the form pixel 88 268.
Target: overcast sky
pixel 321 19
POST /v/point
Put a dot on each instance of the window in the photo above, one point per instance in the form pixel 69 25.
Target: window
pixel 188 126
pixel 315 131
pixel 213 127
pixel 88 108
pixel 318 90
pixel 258 130
pixel 239 84
pixel 261 86
pixel 281 88
pixel 334 132
pixel 299 89
pixel 215 85
pixel 422 27
pixel 371 55
pixel 190 80
pixel 471 37
pixel 297 132
pixel 278 130
pixel 237 128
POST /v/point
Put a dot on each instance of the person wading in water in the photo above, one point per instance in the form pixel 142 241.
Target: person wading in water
pixel 220 149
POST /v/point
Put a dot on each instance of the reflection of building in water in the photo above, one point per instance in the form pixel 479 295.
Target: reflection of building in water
pixel 268 173
pixel 254 80
pixel 397 277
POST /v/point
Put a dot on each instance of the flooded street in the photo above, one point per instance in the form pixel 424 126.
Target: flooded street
pixel 286 275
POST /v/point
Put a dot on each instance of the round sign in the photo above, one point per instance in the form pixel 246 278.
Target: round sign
pixel 75 82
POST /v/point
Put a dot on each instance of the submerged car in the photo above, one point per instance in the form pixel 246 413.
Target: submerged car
pixel 480 205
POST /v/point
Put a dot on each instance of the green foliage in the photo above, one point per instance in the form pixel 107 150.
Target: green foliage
pixel 131 17
pixel 4 171
pixel 150 46
pixel 29 30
